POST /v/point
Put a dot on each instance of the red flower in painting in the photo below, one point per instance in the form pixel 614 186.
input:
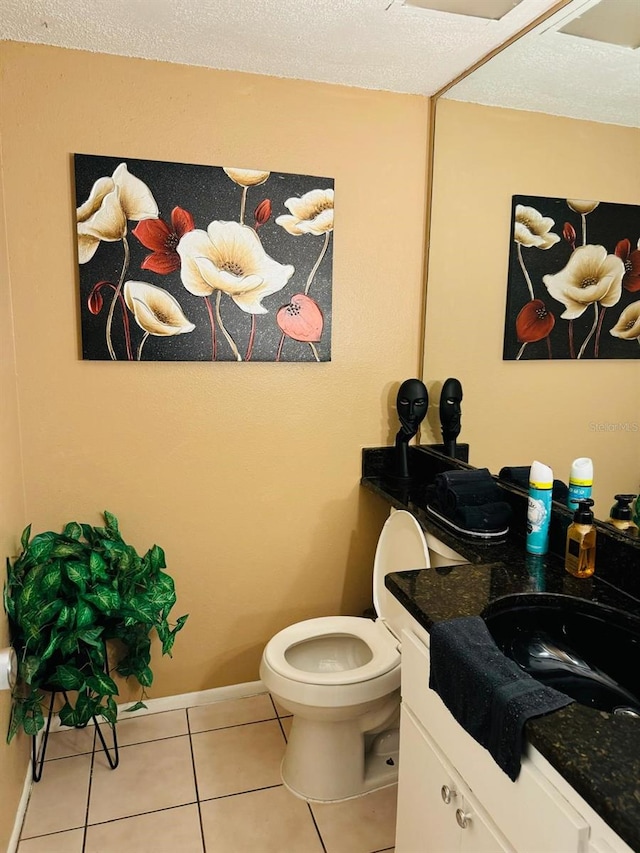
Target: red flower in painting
pixel 534 322
pixel 262 212
pixel 631 261
pixel 301 319
pixel 569 234
pixel 163 240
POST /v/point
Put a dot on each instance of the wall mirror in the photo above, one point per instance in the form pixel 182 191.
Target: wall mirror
pixel 556 114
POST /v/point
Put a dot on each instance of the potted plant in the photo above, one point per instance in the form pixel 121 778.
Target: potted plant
pixel 81 604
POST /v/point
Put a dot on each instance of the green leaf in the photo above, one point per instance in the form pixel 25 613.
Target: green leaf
pixel 112 522
pixel 30 594
pixel 156 558
pixel 68 643
pixel 102 684
pixel 110 711
pixel 167 644
pixel 137 707
pixel 70 548
pixel 145 677
pixel 86 708
pixel 66 617
pixel 40 548
pixel 34 721
pixel 68 715
pixel 105 598
pixel 73 530
pixel 49 612
pixel 78 574
pixel 85 615
pixel 9 603
pixel 98 567
pixel 24 539
pixel 92 637
pixel 51 580
pixel 180 623
pixel 29 667
pixel 17 719
pixel 69 677
pixel 54 642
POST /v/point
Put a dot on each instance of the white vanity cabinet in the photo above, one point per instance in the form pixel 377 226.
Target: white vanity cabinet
pixel 436 811
pixel 452 796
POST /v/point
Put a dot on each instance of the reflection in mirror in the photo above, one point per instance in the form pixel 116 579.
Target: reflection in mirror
pixel 556 114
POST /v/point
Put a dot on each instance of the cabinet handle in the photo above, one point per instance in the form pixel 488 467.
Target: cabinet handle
pixel 447 794
pixel 463 819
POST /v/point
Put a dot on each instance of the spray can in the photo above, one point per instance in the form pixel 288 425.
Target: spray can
pixel 539 508
pixel 580 481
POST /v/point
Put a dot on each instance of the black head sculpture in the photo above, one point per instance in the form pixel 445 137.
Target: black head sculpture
pixel 450 413
pixel 412 403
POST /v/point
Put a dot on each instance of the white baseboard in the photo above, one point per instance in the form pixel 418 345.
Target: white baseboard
pixel 154 706
pixel 181 701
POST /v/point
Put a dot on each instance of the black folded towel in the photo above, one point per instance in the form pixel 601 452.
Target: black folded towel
pixel 471 494
pixel 519 476
pixel 465 488
pixel 452 478
pixel 486 692
pixel 471 500
pixel 487 517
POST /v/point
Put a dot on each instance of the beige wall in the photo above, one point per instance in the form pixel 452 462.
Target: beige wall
pixel 13 759
pixel 247 475
pixel 514 412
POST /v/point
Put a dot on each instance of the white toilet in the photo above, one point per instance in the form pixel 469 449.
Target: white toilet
pixel 340 678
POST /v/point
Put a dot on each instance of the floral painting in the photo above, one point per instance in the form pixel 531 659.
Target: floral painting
pixel 182 262
pixel 574 280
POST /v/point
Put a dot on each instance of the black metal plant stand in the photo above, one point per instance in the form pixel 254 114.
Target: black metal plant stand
pixel 37 764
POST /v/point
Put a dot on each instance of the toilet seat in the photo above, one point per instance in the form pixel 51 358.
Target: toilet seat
pixel 383 646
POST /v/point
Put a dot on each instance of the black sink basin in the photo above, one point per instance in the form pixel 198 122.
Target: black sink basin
pixel 587 650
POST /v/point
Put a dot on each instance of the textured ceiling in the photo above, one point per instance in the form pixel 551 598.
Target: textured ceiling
pixel 373 44
pixel 552 72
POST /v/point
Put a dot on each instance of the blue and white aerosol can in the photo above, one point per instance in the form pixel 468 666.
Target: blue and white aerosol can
pixel 580 481
pixel 539 508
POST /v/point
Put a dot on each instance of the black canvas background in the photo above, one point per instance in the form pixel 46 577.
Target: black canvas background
pixel 606 226
pixel 208 194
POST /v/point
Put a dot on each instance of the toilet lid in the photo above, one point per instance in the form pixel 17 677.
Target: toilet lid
pixel 401 546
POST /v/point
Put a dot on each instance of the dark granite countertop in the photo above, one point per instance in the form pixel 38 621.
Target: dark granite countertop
pixel 596 752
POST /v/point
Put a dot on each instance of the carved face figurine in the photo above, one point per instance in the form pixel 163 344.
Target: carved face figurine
pixel 412 403
pixel 450 410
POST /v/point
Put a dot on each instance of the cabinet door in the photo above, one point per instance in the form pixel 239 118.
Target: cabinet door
pixel 477 831
pixel 425 821
pixel 436 811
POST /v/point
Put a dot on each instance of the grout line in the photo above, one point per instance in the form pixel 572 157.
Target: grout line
pixel 195 782
pixel 140 814
pixel 240 793
pixel 279 720
pixel 235 725
pixel 313 818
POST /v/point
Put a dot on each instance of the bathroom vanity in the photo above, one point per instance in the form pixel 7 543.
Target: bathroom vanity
pixel 578 790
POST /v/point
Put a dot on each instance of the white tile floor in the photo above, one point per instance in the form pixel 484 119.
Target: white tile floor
pixel 201 780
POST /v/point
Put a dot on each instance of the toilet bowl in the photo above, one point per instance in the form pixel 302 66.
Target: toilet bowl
pixel 340 678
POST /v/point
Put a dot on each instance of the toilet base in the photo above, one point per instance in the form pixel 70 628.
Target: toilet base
pixel 330 762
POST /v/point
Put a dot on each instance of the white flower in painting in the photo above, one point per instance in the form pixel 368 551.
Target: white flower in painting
pixel 591 275
pixel 531 228
pixel 155 310
pixel 628 325
pixel 112 201
pixel 310 214
pixel 247 177
pixel 581 205
pixel 229 257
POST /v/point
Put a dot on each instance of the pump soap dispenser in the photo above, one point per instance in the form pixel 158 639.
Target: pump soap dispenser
pixel 621 515
pixel 580 553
